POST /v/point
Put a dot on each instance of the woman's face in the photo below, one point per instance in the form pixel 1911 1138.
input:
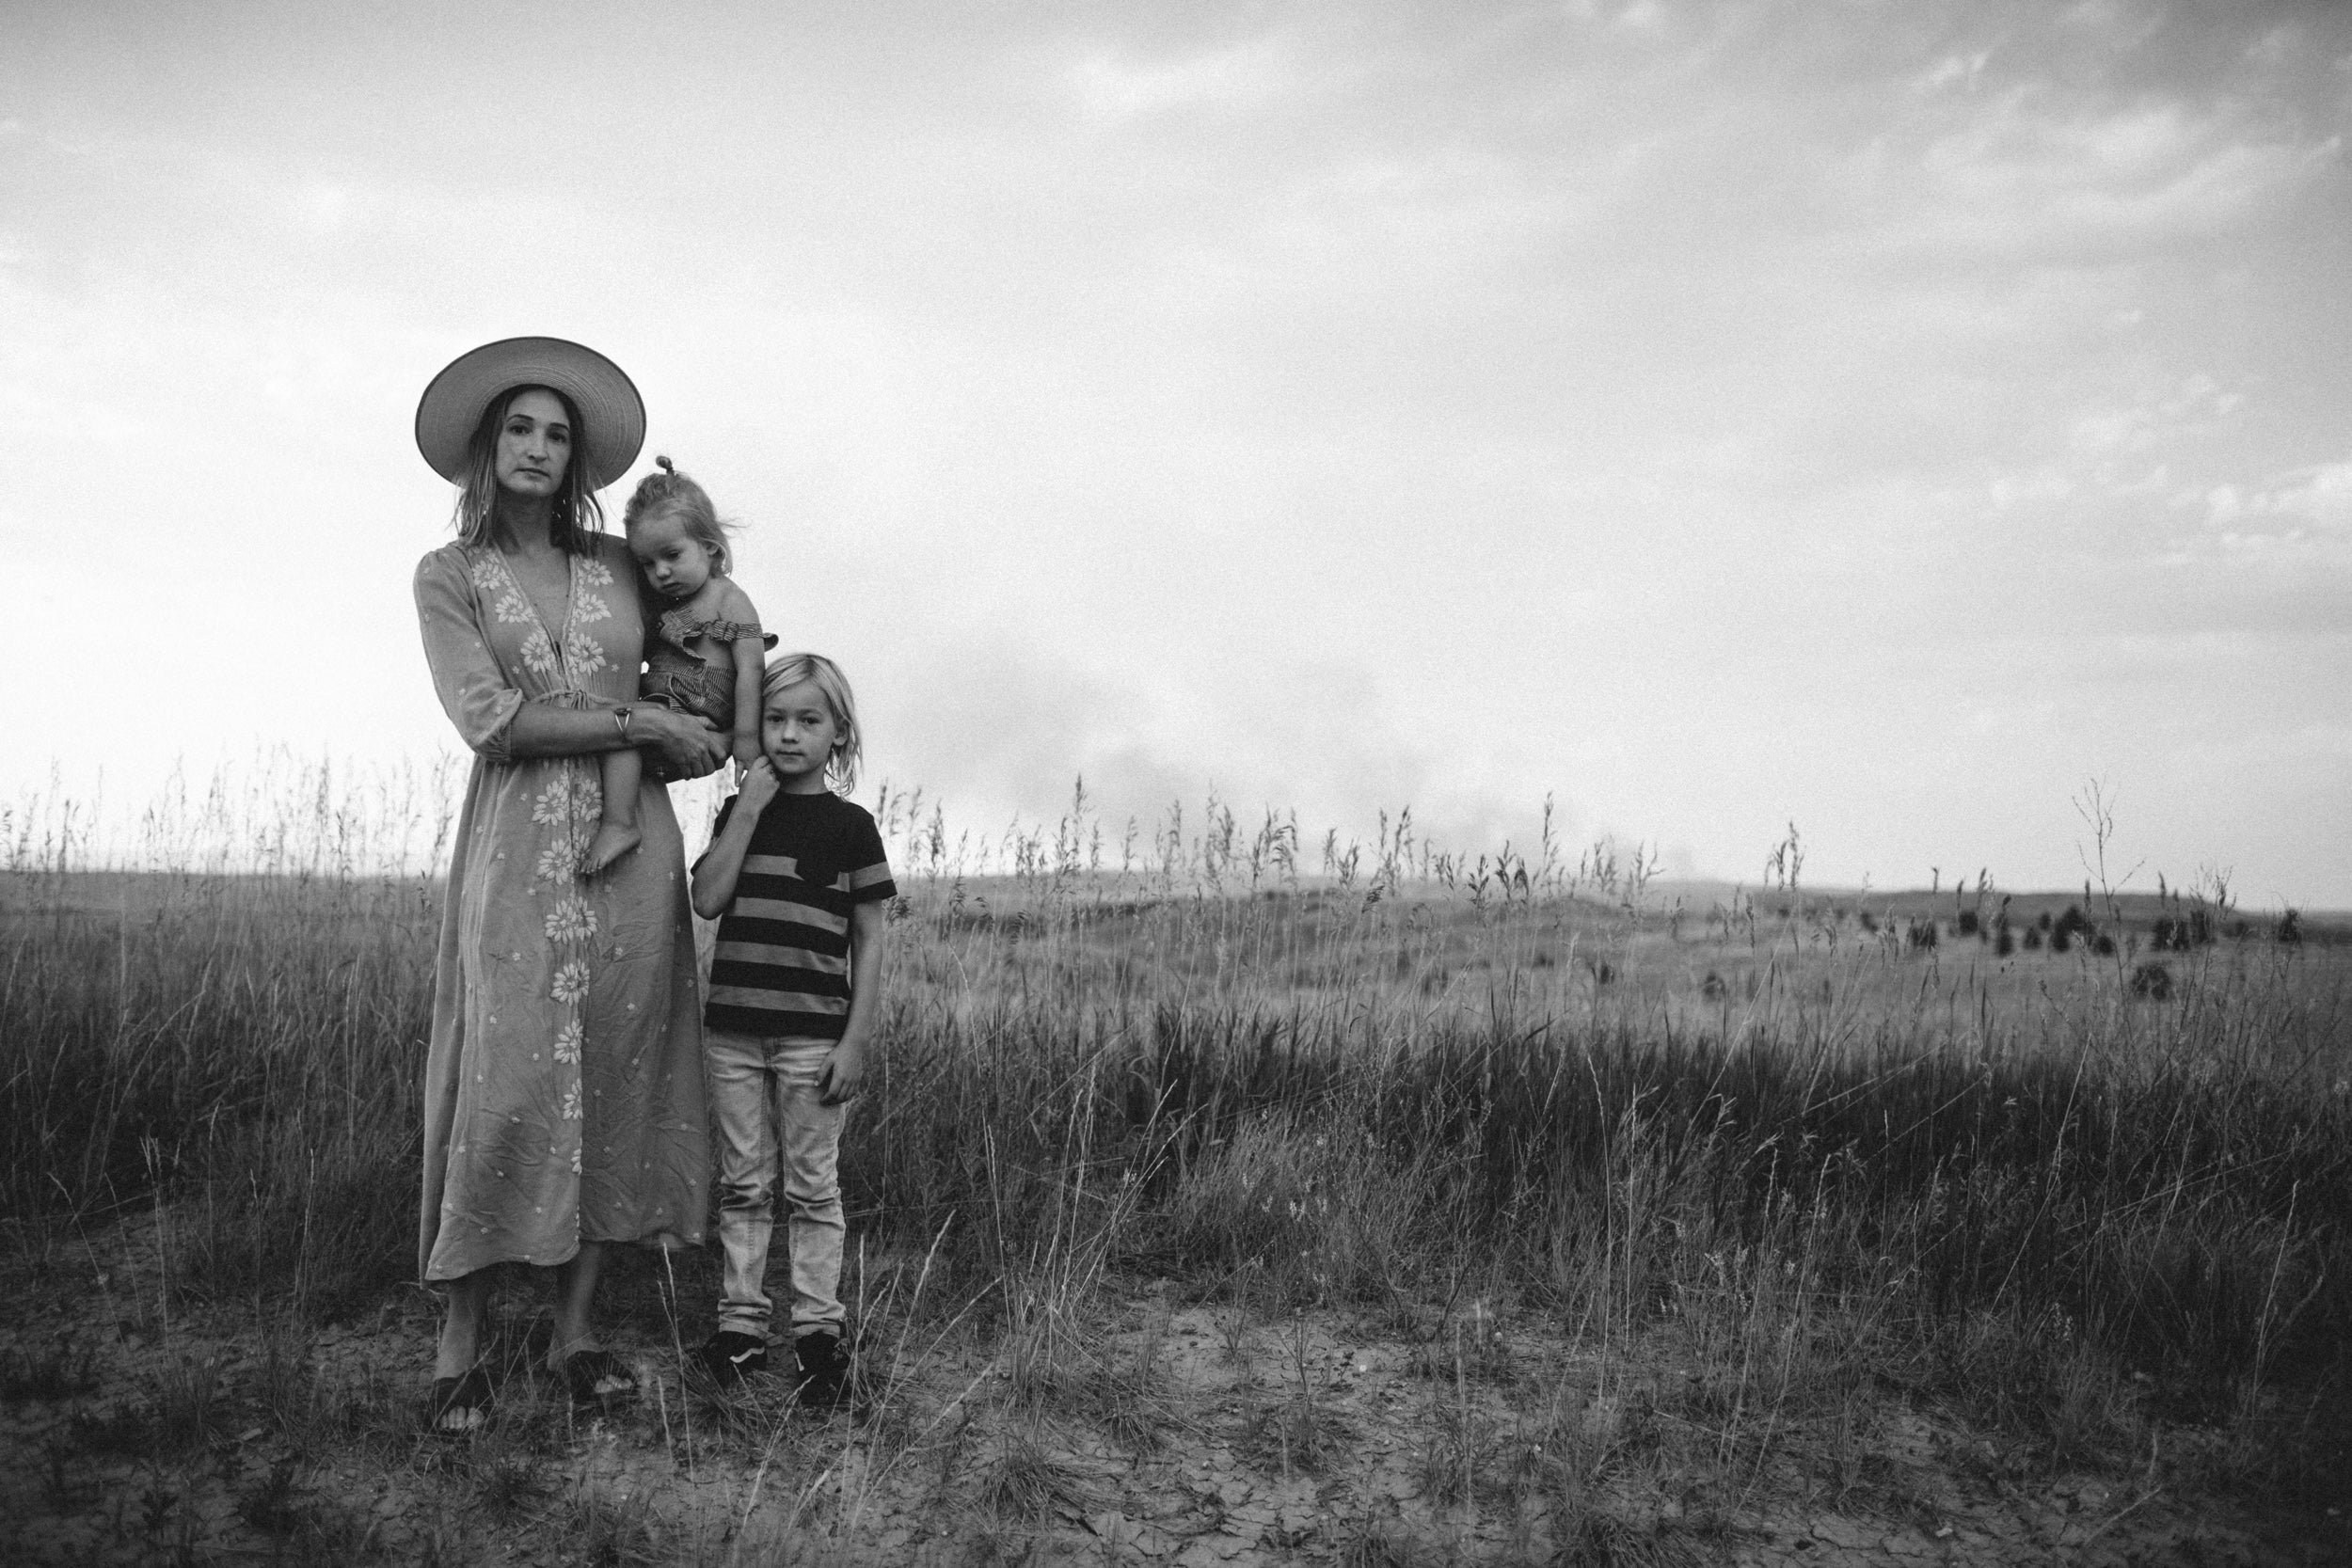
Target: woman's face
pixel 534 445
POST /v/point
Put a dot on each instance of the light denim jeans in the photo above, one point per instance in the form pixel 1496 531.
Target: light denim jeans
pixel 763 1101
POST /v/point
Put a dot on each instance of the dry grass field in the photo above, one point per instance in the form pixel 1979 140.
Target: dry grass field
pixel 1226 1199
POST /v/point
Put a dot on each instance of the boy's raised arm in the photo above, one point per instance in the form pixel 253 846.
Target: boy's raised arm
pixel 715 874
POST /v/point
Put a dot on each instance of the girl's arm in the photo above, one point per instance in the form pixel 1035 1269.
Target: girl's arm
pixel 715 874
pixel 845 1066
pixel 749 665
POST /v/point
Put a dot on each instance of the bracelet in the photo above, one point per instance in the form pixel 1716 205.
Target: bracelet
pixel 620 722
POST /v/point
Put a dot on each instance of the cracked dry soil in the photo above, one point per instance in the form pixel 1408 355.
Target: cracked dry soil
pixel 1155 1430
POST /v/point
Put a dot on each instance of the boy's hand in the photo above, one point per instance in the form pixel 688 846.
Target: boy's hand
pixel 838 1080
pixel 760 785
pixel 746 753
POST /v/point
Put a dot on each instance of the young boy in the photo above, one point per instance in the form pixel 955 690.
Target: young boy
pixel 798 879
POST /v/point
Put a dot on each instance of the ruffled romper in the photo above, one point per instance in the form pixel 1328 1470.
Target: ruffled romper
pixel 678 677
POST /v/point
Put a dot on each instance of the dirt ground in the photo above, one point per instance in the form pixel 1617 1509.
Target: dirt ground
pixel 1153 1430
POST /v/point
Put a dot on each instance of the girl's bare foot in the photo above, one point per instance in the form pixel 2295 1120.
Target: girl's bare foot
pixel 613 841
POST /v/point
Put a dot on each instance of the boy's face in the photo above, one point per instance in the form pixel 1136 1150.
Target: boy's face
pixel 797 732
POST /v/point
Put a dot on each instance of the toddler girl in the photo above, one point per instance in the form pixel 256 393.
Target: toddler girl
pixel 704 650
pixel 798 880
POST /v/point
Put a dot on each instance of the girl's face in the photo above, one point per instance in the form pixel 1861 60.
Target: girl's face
pixel 798 730
pixel 534 446
pixel 674 561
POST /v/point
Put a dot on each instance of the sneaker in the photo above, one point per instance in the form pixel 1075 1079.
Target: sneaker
pixel 824 1369
pixel 733 1356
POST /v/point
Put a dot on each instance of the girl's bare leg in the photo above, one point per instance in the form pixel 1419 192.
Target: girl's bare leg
pixel 616 825
pixel 466 1312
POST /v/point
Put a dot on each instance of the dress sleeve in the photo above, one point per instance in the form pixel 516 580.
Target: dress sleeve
pixel 474 691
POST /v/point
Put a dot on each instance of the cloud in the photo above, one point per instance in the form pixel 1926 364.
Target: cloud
pixel 2254 515
pixel 2323 493
pixel 2038 175
pixel 1112 88
pixel 994 732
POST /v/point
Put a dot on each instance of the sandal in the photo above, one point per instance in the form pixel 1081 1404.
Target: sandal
pixel 594 1376
pixel 459 1406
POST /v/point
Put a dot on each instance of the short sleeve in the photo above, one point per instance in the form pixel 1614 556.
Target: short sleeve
pixel 870 863
pixel 474 691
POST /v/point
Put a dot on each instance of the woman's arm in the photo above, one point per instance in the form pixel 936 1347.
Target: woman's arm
pixel 691 747
pixel 712 884
pixel 490 714
pixel 845 1066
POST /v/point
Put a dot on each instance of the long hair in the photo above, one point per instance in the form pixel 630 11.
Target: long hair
pixel 848 743
pixel 666 492
pixel 576 518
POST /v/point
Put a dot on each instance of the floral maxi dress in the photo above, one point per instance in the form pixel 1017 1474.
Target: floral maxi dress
pixel 563 1089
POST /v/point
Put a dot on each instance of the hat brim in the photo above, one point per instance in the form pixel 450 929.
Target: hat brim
pixel 611 413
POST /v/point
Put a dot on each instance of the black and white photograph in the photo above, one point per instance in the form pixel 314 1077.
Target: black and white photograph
pixel 1374 783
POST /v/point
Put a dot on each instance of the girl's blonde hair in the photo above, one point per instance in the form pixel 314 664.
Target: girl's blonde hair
pixel 848 741
pixel 575 519
pixel 670 493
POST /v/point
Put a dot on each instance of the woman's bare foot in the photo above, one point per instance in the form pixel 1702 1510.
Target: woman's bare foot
pixel 613 841
pixel 467 1306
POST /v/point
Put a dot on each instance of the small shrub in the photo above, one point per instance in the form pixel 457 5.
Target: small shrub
pixel 2152 980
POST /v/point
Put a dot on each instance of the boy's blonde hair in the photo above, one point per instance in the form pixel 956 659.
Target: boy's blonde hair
pixel 849 742
pixel 667 493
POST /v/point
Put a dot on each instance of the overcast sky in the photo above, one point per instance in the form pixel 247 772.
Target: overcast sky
pixel 1883 417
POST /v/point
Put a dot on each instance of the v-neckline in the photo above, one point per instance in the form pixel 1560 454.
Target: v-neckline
pixel 553 634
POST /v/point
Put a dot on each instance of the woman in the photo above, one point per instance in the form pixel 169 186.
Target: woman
pixel 563 1095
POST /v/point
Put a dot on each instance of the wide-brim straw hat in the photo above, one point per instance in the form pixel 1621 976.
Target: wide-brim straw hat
pixel 610 409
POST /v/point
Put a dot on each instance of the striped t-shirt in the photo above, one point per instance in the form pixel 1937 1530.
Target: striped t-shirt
pixel 783 962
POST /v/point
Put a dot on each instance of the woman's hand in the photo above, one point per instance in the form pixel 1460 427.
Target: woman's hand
pixel 690 745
